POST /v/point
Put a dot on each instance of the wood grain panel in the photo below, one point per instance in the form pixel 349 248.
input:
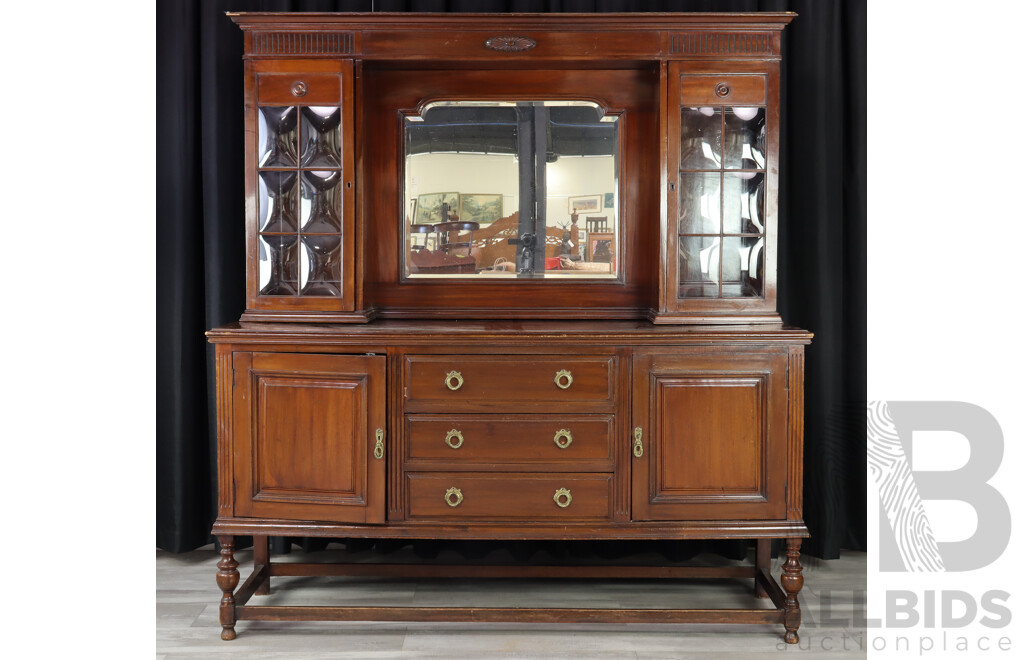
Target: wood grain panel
pixel 276 88
pixel 497 442
pixel 795 424
pixel 463 45
pixel 714 429
pixel 510 496
pixel 505 383
pixel 304 437
pixel 307 423
pixel 742 89
pixel 710 438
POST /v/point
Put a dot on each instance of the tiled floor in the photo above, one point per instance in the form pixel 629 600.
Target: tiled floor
pixel 187 627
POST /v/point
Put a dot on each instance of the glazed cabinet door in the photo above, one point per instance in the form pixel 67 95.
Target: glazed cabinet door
pixel 722 134
pixel 709 434
pixel 301 185
pixel 310 440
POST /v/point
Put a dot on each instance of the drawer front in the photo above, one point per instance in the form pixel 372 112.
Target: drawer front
pixel 465 497
pixel 299 88
pixel 728 89
pixel 577 443
pixel 509 383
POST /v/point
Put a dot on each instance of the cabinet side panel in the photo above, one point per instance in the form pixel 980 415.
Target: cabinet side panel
pixel 795 494
pixel 225 446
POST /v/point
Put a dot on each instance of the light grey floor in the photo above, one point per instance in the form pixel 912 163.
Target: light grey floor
pixel 187 597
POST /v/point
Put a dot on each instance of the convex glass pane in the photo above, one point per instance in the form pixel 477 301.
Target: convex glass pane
pixel 321 266
pixel 700 203
pixel 321 136
pixel 278 265
pixel 743 203
pixel 321 201
pixel 744 138
pixel 742 266
pixel 700 139
pixel 278 200
pixel 278 136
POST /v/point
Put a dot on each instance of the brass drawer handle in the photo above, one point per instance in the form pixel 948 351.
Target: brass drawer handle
pixel 454 380
pixel 563 376
pixel 563 438
pixel 378 448
pixel 565 495
pixel 300 88
pixel 638 445
pixel 453 491
pixel 454 433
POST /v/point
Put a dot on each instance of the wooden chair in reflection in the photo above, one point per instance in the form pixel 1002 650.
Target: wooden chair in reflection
pixel 453 254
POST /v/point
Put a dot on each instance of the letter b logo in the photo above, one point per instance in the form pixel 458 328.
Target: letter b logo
pixel 907 541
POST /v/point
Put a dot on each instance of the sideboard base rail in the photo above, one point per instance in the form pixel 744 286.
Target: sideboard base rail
pixel 235 607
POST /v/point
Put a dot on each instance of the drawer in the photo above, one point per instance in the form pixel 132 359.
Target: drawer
pixel 474 496
pixel 566 443
pixel 509 383
pixel 733 89
pixel 299 88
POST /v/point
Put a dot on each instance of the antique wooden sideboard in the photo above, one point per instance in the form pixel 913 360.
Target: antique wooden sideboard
pixel 511 277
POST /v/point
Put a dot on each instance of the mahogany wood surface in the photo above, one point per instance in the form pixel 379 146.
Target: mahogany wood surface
pixel 438 571
pixel 304 429
pixel 525 383
pixel 740 89
pixel 508 496
pixel 535 531
pixel 552 442
pixel 715 427
pixel 511 408
pixel 505 614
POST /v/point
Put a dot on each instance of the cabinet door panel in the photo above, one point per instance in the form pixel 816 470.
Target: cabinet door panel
pixel 310 423
pixel 713 436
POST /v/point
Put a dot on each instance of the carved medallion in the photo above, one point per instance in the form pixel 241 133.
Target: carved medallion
pixel 510 44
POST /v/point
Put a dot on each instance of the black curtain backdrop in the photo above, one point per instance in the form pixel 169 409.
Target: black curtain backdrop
pixel 822 219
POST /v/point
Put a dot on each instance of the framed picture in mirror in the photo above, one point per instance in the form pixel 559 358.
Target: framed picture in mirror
pixel 586 204
pixel 481 208
pixel 428 207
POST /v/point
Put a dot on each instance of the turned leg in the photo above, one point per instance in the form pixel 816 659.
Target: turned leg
pixel 792 581
pixel 261 555
pixel 762 559
pixel 227 580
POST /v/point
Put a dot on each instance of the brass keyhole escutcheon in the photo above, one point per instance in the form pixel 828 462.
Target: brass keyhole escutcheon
pixel 378 448
pixel 454 380
pixel 563 378
pixel 563 497
pixel 638 445
pixel 453 492
pixel 563 438
pixel 300 88
pixel 722 90
pixel 454 434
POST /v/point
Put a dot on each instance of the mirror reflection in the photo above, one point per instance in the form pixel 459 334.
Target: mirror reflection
pixel 524 189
